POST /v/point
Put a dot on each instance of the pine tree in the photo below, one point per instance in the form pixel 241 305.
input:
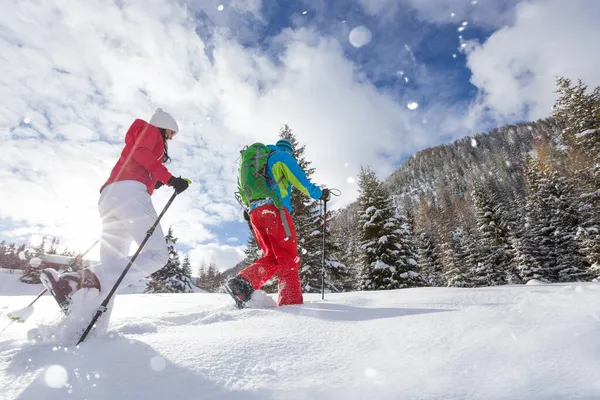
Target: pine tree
pixel 209 277
pixel 496 257
pixel 186 266
pixel 54 246
pixel 34 266
pixel 571 264
pixel 407 257
pixel 575 108
pixel 538 237
pixel 213 277
pixel 429 261
pixel 337 274
pixel 457 259
pixel 12 260
pixel 526 262
pixel 172 278
pixel 201 277
pixel 344 235
pixel 3 254
pixel 579 111
pixel 386 262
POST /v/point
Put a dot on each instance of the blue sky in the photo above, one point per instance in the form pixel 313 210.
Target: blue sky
pixel 359 81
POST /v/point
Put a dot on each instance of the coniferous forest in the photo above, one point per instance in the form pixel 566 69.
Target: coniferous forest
pixel 519 203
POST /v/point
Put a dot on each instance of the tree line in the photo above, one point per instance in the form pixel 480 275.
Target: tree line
pixel 519 203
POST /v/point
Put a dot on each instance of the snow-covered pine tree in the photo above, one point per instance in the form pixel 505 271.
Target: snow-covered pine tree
pixel 571 264
pixel 409 267
pixel 577 109
pixel 31 274
pixel 587 175
pixel 495 263
pixel 430 264
pixel 343 235
pixel 209 277
pixel 385 263
pixel 187 266
pixel 538 235
pixel 252 252
pixel 337 274
pixel 459 258
pixel 213 278
pixel 172 278
pixel 54 246
pixel 200 276
pixel 579 112
pixel 554 220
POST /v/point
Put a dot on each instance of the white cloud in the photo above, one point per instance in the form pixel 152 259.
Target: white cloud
pixel 82 72
pixel 515 68
pixel 489 14
pixel 224 256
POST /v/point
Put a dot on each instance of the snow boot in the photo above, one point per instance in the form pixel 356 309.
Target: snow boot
pixel 62 286
pixel 240 290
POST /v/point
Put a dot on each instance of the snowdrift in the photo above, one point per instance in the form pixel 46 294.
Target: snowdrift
pixel 517 342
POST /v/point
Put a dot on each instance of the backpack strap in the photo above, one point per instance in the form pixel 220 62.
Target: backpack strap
pixel 286 226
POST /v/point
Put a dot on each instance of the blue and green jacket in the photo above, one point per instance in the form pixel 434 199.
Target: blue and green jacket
pixel 285 172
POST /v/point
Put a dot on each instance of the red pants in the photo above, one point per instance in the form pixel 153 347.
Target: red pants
pixel 280 255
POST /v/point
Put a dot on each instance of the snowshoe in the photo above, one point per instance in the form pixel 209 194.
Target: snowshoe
pixel 240 290
pixel 62 286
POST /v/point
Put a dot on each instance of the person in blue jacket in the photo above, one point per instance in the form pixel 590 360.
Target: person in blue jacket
pixel 275 232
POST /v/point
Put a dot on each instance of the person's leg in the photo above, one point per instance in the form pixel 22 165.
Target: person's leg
pixel 128 213
pixel 283 249
pixel 286 254
pixel 261 271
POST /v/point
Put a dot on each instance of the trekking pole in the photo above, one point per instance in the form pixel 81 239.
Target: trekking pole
pixel 103 307
pixel 323 258
pixel 17 315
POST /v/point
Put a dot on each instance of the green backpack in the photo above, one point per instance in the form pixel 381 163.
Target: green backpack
pixel 252 175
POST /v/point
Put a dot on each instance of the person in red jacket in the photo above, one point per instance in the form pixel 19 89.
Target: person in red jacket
pixel 127 213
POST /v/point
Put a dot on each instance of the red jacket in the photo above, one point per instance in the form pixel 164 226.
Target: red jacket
pixel 141 159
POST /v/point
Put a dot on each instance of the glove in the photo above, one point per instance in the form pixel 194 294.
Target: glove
pixel 246 216
pixel 325 196
pixel 158 185
pixel 179 184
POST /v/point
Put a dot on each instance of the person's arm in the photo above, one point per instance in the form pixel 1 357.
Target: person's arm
pixel 286 165
pixel 146 139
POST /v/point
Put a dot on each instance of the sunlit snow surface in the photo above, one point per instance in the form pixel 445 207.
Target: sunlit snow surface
pixel 513 342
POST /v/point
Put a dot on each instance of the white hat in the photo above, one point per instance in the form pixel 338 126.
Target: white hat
pixel 164 120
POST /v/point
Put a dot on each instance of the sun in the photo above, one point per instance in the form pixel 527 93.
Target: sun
pixel 80 237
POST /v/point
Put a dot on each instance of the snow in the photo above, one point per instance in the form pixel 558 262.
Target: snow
pixel 507 342
pixel 587 132
pixel 35 262
pixel 359 36
pixel 535 282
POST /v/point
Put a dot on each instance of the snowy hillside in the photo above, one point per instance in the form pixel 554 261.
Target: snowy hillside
pixel 519 342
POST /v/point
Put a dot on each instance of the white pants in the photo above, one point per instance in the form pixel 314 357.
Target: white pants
pixel 127 213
